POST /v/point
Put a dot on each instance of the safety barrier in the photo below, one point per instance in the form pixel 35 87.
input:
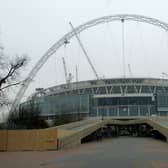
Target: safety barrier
pixel 37 139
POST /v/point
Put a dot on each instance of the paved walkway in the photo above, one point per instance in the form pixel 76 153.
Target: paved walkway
pixel 123 152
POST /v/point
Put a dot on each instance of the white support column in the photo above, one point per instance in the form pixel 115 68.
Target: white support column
pixel 149 110
pixel 128 110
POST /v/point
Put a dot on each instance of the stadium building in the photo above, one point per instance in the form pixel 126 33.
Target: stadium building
pixel 115 97
pixel 120 97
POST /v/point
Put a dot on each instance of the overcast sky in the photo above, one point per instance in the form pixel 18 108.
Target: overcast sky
pixel 32 26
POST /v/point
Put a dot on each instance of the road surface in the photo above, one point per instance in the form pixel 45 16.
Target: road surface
pixel 123 152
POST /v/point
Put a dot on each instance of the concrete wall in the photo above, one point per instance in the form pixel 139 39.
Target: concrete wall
pixel 60 137
pixel 75 138
pixel 64 133
pixel 156 126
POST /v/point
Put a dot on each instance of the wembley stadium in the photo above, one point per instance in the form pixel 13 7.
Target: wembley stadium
pixel 124 97
pixel 99 96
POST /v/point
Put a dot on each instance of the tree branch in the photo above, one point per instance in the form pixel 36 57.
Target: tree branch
pixel 13 84
pixel 15 66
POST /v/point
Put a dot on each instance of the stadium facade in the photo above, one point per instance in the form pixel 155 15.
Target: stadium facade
pixel 120 97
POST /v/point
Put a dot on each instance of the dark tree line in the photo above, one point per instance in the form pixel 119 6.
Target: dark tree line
pixel 10 71
pixel 26 118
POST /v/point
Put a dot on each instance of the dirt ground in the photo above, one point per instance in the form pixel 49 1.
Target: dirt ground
pixel 125 152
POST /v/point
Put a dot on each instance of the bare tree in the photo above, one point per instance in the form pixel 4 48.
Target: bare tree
pixel 10 70
pixel 9 74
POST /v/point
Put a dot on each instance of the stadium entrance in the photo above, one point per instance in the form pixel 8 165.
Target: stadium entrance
pixel 127 105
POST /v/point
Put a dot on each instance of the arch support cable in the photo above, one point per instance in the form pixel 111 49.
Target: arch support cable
pixel 123 47
pixel 84 51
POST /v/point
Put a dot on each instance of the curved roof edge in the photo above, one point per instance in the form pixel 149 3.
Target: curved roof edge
pixel 109 81
pixel 99 83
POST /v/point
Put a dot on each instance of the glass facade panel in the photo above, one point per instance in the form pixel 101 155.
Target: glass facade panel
pixel 132 106
pixel 123 111
pixel 162 103
pixel 162 113
pixel 93 112
pixel 123 101
pixel 105 111
pixel 133 101
pixel 144 111
pixel 100 111
pixel 65 104
pixel 133 110
pixel 113 111
pixel 162 100
pixel 153 110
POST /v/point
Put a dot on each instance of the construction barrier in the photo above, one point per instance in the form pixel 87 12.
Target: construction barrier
pixel 37 139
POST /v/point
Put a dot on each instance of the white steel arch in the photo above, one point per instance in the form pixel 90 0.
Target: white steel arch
pixel 69 35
